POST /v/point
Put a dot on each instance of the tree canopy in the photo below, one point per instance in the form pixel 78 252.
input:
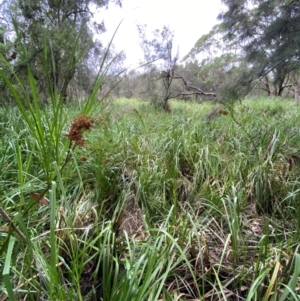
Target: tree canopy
pixel 269 34
pixel 54 37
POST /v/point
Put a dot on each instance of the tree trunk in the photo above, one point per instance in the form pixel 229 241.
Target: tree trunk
pixel 70 72
pixel 166 106
pixel 297 89
pixel 267 85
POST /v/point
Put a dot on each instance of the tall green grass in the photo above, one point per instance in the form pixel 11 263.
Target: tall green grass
pixel 153 206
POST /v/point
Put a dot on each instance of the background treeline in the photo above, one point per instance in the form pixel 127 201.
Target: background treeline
pixel 253 50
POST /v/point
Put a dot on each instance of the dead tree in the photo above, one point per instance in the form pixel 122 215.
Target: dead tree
pixel 160 48
pixel 168 77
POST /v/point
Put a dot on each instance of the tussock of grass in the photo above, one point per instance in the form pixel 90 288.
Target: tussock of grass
pixel 152 206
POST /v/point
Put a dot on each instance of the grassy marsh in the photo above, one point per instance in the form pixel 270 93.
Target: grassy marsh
pixel 192 205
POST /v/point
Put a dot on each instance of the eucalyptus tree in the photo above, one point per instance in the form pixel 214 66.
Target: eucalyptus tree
pixel 217 58
pixel 268 30
pixel 54 36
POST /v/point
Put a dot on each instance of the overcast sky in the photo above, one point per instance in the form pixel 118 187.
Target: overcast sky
pixel 189 19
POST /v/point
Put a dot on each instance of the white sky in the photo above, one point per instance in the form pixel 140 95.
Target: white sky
pixel 189 19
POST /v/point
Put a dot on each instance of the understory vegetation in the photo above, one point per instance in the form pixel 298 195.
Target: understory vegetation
pixel 122 201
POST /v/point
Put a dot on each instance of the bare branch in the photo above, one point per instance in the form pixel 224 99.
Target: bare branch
pixel 186 94
pixel 199 91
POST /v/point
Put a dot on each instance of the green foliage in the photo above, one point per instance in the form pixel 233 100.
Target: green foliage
pixel 268 31
pixel 52 37
pixel 36 153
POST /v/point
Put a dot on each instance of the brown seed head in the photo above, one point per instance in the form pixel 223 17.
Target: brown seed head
pixel 78 126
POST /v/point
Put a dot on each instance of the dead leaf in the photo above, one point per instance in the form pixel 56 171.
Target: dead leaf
pixel 39 198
